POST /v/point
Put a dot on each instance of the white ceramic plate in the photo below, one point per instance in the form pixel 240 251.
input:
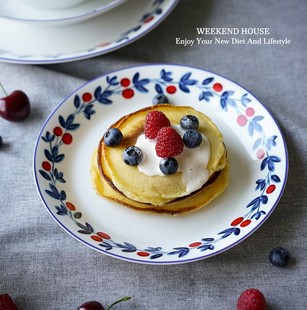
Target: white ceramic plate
pixel 256 150
pixel 33 44
pixel 16 10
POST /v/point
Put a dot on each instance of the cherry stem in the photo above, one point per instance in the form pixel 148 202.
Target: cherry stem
pixel 3 90
pixel 118 301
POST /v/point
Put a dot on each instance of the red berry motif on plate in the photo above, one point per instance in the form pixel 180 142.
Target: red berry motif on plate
pixel 245 223
pixel 155 120
pixel 57 131
pixel 86 97
pixel 237 221
pixel 260 154
pixel 46 165
pixel 67 138
pixel 250 112
pixel 128 93
pixel 171 89
pixel 149 19
pixel 169 143
pixel 125 82
pixel 242 120
pixel 70 206
pixel 270 189
pixel 143 254
pixel 97 238
pixel 194 244
pixel 103 235
pixel 218 87
pixel 251 299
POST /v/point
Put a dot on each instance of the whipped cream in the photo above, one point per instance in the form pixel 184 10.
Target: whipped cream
pixel 191 162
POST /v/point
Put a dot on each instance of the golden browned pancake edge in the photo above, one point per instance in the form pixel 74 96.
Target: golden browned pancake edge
pixel 102 172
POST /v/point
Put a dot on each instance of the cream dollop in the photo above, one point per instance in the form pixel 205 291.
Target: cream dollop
pixel 191 162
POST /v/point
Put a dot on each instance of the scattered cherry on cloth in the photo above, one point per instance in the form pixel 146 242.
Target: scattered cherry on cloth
pixel 14 107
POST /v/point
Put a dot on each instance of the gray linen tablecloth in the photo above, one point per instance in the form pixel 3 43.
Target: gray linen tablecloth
pixel 42 267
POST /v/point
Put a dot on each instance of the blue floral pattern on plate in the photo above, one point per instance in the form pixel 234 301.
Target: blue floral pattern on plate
pixel 209 89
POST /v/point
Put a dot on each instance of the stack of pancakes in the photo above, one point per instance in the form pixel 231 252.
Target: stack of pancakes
pixel 125 184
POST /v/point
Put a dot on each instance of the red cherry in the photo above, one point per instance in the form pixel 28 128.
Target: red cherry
pixel 15 107
pixel 7 303
pixel 95 305
pixel 91 305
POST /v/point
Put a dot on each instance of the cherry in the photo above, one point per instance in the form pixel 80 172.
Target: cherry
pixel 7 303
pixel 14 107
pixel 91 305
pixel 96 305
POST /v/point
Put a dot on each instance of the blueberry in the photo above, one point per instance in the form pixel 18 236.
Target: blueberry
pixel 192 138
pixel 168 165
pixel 132 155
pixel 159 99
pixel 279 257
pixel 189 122
pixel 113 137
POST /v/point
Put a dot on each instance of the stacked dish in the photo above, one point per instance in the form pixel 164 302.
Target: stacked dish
pixel 36 34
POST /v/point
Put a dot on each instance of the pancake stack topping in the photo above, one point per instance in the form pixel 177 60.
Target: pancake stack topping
pixel 163 159
pixel 168 142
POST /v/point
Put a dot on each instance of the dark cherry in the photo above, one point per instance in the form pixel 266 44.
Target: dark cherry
pixel 95 305
pixel 15 107
pixel 91 305
pixel 7 303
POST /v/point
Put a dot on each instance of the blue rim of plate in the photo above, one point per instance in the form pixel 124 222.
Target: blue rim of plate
pixel 122 41
pixel 152 255
pixel 92 12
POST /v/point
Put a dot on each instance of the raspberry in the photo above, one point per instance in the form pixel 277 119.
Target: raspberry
pixel 169 143
pixel 251 299
pixel 155 120
pixel 7 303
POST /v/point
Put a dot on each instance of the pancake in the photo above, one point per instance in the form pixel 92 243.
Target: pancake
pixel 127 185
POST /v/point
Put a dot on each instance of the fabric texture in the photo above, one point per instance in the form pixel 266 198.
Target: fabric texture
pixel 42 267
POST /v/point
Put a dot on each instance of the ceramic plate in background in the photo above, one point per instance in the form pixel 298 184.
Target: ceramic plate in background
pixel 16 10
pixel 255 147
pixel 33 44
